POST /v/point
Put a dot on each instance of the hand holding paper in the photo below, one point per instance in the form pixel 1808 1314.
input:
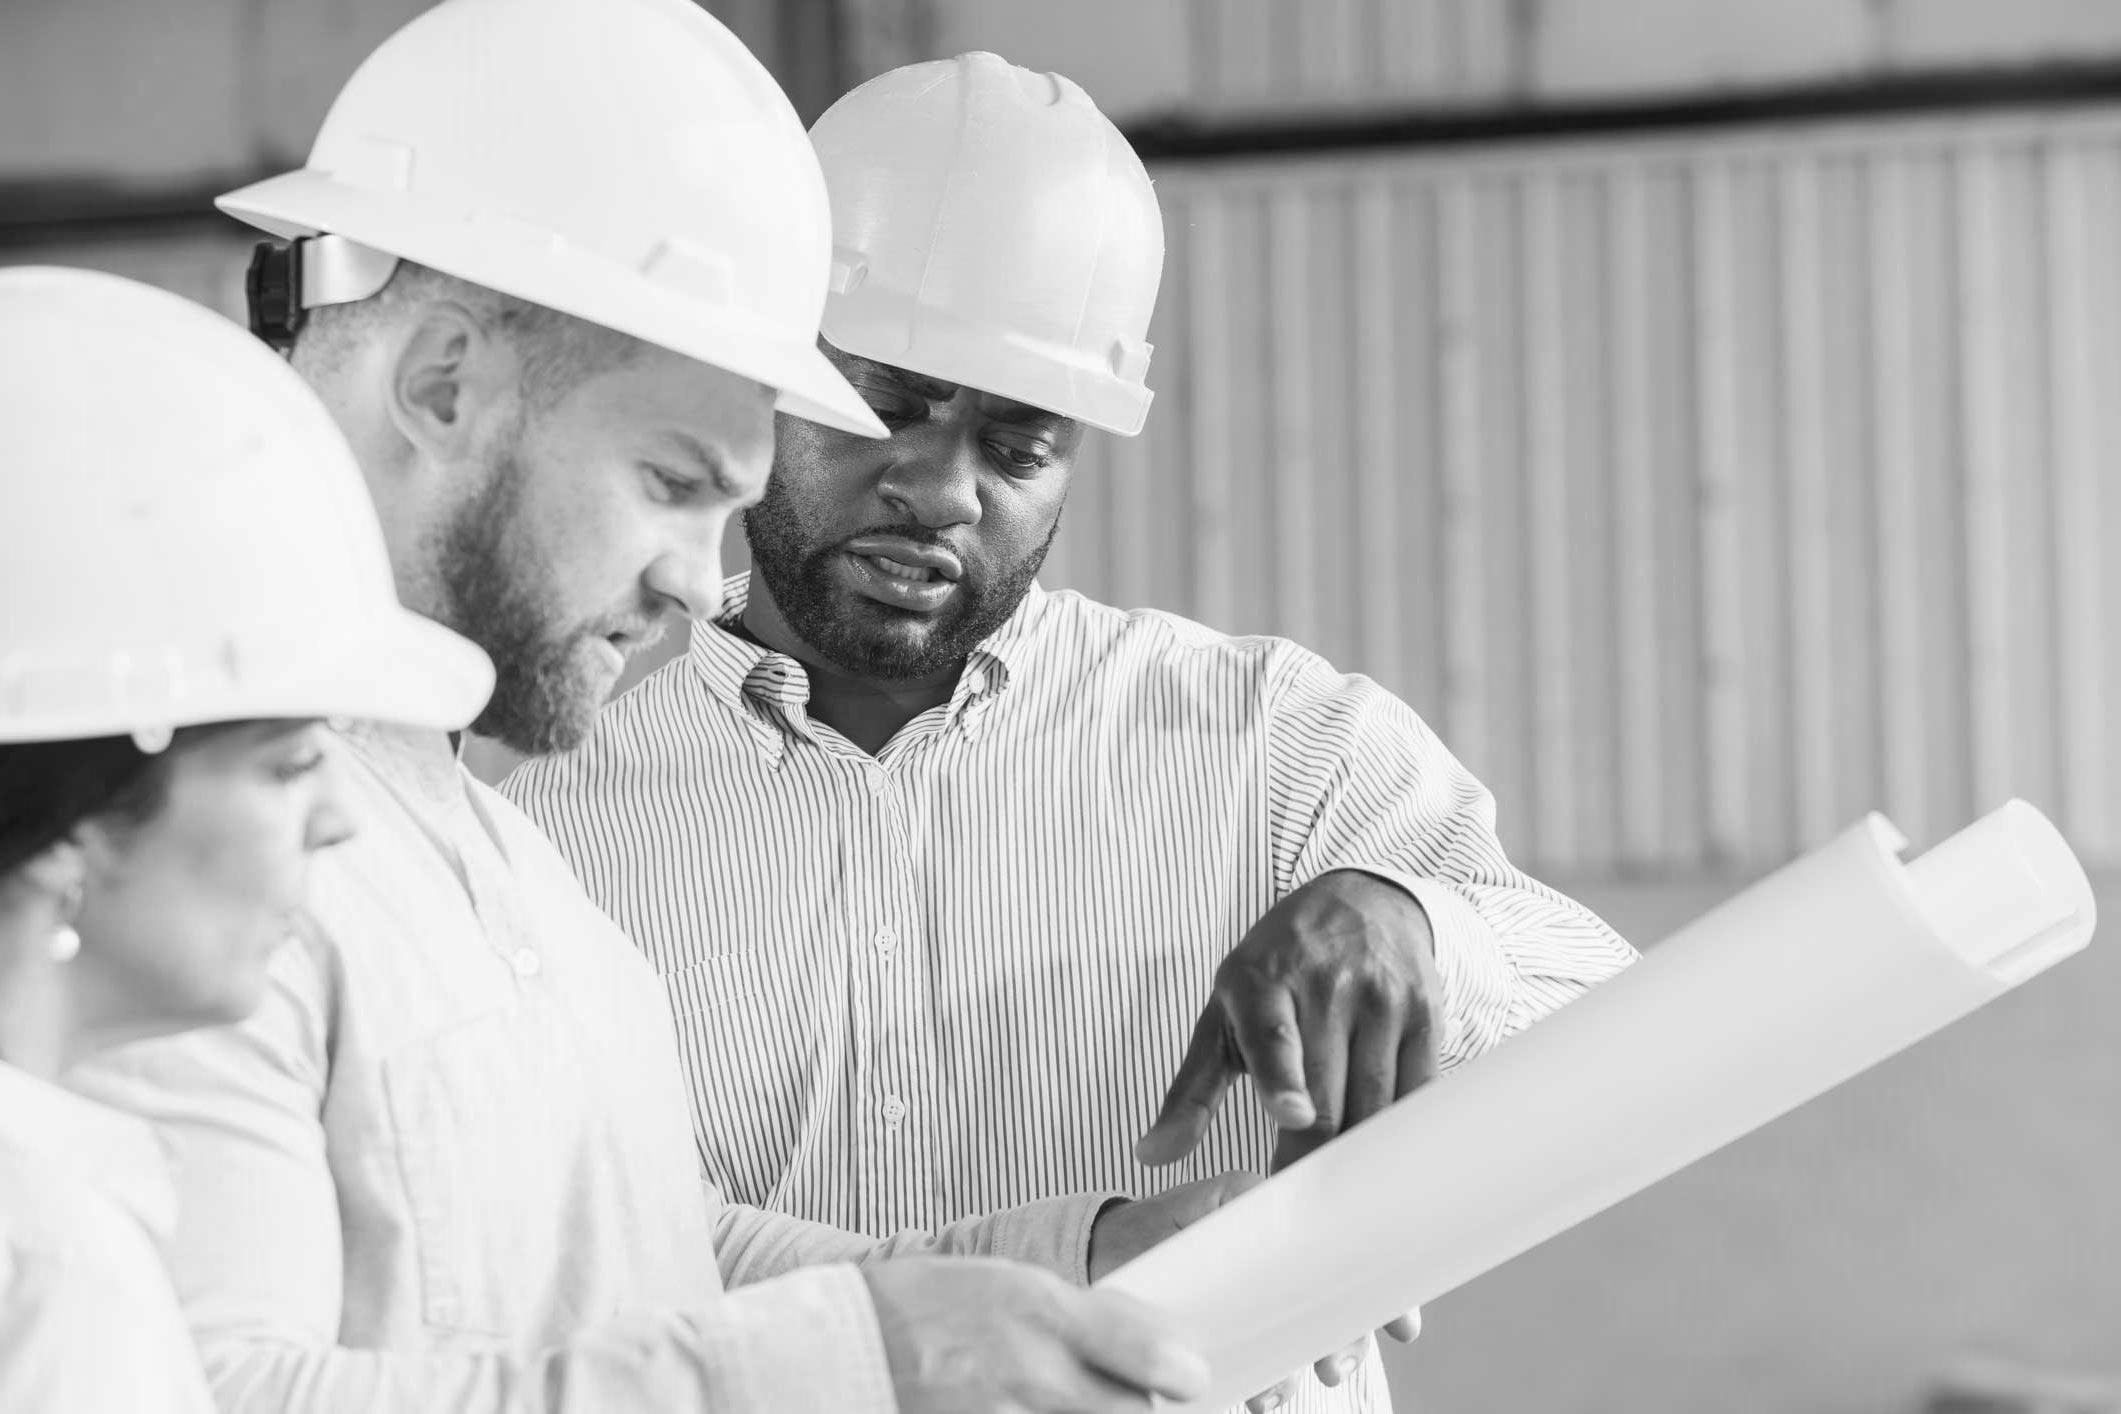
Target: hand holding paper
pixel 1126 1228
pixel 1811 976
pixel 976 1333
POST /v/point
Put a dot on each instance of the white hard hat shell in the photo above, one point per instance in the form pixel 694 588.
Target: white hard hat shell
pixel 624 161
pixel 187 536
pixel 993 228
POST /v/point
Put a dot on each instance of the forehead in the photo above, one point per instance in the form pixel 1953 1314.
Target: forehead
pixel 657 392
pixel 935 389
pixel 223 743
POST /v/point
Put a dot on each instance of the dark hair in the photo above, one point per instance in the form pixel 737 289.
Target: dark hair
pixel 48 787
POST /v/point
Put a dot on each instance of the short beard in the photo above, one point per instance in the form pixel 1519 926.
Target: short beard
pixel 856 634
pixel 541 703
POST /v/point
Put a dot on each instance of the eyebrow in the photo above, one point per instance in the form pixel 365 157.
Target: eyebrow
pixel 706 463
pixel 942 390
pixel 1010 410
pixel 937 389
pixel 928 386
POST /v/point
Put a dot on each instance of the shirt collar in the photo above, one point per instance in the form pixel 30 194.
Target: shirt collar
pixel 734 668
pixel 99 1147
pixel 418 759
pixel 1008 648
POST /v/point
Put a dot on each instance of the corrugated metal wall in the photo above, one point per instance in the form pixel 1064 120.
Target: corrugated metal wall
pixel 1703 492
pixel 1273 57
pixel 1343 53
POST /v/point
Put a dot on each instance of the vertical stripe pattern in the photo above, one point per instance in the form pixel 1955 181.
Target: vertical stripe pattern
pixel 957 977
pixel 1709 489
pixel 1898 335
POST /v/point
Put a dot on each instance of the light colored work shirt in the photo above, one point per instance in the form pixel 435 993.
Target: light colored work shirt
pixel 448 1165
pixel 960 975
pixel 88 1323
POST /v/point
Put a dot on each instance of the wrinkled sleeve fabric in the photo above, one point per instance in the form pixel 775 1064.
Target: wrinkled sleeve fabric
pixel 1356 780
pixel 257 1259
pixel 1053 1233
pixel 80 1337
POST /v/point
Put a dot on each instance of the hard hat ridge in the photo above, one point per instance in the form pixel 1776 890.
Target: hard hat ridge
pixel 993 228
pixel 627 162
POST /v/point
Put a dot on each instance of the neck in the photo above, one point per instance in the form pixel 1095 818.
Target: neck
pixel 401 489
pixel 868 711
pixel 38 1030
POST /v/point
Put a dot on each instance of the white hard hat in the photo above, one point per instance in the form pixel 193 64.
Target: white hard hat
pixel 624 161
pixel 184 534
pixel 992 228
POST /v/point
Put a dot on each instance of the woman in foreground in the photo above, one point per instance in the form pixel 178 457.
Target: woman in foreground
pixel 191 581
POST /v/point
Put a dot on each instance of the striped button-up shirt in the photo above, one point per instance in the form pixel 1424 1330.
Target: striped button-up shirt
pixel 959 975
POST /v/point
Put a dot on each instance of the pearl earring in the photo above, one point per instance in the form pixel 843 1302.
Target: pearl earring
pixel 65 941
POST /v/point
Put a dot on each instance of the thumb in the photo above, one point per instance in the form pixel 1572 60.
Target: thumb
pixel 1193 1201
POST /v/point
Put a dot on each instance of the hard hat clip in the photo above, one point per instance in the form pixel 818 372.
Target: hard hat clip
pixel 272 288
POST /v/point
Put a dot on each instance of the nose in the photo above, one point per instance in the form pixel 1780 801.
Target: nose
pixel 690 578
pixel 329 821
pixel 936 482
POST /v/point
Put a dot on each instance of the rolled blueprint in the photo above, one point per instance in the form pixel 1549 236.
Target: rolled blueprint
pixel 1814 974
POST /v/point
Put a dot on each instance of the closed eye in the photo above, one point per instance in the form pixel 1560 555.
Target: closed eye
pixel 288 772
pixel 668 488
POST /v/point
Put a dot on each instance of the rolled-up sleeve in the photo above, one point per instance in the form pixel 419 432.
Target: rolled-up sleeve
pixel 1357 780
pixel 1052 1233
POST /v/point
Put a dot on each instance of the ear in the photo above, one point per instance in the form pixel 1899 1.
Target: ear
pixel 59 869
pixel 447 381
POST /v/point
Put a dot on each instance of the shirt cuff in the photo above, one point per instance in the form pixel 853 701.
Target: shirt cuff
pixel 808 1340
pixel 1053 1233
pixel 1475 976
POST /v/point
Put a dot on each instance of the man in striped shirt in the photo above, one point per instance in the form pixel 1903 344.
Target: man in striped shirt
pixel 945 873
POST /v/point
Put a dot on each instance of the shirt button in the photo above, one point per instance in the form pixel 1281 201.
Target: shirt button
pixel 877 782
pixel 526 963
pixel 886 942
pixel 894 1109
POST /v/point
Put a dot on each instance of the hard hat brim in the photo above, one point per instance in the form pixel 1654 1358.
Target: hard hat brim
pixel 531 266
pixel 901 333
pixel 399 667
pixel 402 668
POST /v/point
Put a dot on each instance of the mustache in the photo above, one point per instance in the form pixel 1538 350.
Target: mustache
pixel 918 534
pixel 641 630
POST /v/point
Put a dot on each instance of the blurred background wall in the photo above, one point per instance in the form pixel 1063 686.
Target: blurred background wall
pixel 1705 411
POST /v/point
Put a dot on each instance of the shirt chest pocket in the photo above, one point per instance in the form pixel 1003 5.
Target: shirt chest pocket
pixel 718 981
pixel 494 1135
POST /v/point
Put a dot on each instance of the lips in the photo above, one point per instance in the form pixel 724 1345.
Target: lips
pixel 898 569
pixel 628 639
pixel 899 584
pixel 909 560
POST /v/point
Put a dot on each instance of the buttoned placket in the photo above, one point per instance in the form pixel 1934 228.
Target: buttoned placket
pixel 888 1029
pixel 869 876
pixel 495 900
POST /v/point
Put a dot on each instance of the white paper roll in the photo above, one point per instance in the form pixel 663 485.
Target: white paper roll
pixel 1814 974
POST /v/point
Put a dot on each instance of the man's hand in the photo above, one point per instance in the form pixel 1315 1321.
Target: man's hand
pixel 965 1334
pixel 1334 1368
pixel 1331 1004
pixel 1127 1227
